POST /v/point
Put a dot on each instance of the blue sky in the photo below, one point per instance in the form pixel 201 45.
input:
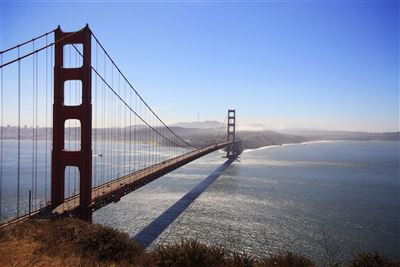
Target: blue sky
pixel 292 64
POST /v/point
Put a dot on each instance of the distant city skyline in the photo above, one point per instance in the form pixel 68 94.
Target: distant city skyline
pixel 330 65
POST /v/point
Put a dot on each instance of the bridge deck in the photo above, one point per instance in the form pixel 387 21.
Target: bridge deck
pixel 114 190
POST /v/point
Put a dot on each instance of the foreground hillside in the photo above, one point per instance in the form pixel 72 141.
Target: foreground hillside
pixel 71 242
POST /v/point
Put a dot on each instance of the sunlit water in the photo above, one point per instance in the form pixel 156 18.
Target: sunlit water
pixel 341 197
pixel 338 196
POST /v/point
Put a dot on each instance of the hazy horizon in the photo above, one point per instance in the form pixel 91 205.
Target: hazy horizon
pixel 244 127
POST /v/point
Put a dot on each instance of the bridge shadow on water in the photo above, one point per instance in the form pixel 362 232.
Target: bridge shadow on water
pixel 158 225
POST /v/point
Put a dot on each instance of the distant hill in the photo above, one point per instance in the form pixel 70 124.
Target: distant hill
pixel 199 124
pixel 250 139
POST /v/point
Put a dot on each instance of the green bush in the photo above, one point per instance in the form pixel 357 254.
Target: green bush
pixel 367 259
pixel 243 260
pixel 108 244
pixel 189 253
pixel 286 259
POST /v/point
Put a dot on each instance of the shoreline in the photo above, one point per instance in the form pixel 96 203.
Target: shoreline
pixel 300 143
pixel 314 142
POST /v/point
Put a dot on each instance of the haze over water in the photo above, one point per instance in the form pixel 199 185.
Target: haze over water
pixel 340 196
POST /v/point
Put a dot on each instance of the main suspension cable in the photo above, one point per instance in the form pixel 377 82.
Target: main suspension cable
pixel 37 50
pixel 126 104
pixel 27 42
pixel 131 86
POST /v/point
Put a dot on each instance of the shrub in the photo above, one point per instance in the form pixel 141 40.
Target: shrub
pixel 287 259
pixel 243 260
pixel 106 244
pixel 367 259
pixel 189 253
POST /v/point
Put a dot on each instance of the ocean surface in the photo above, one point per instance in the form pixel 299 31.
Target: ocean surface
pixel 319 198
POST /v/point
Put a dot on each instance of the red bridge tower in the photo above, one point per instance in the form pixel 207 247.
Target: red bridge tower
pixel 62 158
pixel 231 151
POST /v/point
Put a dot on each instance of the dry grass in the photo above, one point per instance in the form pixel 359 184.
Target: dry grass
pixel 287 259
pixel 68 242
pixel 189 253
pixel 367 259
pixel 71 242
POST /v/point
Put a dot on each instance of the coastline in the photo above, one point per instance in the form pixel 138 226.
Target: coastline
pixel 287 144
pixel 313 142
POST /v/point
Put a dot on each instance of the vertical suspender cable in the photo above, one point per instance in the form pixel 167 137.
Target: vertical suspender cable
pixel 110 135
pixel 111 125
pixel 159 145
pixel 46 118
pixel 143 137
pixel 117 136
pixel 130 133
pixel 95 121
pixel 69 124
pixel 154 143
pixel 103 126
pixel 124 125
pixel 77 138
pixel 110 118
pixel 36 125
pixel 140 131
pixel 120 127
pixel 77 63
pixel 150 141
pixel 19 132
pixel 108 114
pixel 117 132
pixel 145 147
pixel 33 121
pixel 171 150
pixel 135 138
pixel 144 140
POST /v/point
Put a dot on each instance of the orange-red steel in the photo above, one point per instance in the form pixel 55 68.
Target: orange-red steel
pixel 83 112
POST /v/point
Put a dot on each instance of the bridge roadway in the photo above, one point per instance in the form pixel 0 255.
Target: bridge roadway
pixel 113 191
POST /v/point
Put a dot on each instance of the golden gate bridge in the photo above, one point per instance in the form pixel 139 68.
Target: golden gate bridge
pixel 92 138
